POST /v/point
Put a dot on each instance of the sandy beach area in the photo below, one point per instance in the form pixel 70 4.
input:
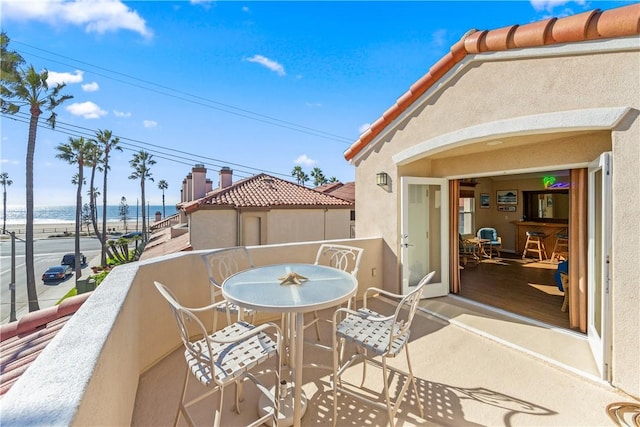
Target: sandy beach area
pixel 43 230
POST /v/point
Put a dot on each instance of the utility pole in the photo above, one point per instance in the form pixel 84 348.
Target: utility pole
pixel 137 215
pixel 12 285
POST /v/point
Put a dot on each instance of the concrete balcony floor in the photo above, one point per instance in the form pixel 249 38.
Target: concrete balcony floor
pixel 463 378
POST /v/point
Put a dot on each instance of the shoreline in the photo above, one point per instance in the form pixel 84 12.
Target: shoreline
pixel 43 230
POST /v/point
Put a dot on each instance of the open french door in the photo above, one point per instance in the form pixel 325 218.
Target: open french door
pixel 424 234
pixel 599 255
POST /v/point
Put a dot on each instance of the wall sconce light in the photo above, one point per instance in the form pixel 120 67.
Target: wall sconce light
pixel 381 179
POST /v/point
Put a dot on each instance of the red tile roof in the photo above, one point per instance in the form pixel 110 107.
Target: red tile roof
pixel 162 243
pixel 345 191
pixel 265 191
pixel 592 25
pixel 22 341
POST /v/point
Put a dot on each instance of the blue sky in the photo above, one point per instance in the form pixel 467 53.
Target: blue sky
pixel 256 86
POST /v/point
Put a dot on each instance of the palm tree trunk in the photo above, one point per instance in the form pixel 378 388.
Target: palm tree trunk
pixel 103 240
pixel 144 221
pixel 164 215
pixel 77 266
pixel 32 293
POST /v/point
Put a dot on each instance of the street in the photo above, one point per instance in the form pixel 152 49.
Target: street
pixel 47 252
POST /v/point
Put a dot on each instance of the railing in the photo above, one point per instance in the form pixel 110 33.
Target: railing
pixel 167 222
pixel 125 328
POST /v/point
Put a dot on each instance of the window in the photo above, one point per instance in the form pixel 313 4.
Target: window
pixel 466 215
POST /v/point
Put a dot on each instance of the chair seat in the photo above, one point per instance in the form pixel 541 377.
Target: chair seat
pixel 231 360
pixel 369 334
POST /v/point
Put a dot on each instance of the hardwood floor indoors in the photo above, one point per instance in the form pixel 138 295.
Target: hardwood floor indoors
pixel 523 286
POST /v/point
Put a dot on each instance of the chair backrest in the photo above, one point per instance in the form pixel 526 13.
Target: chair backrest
pixel 188 325
pixel 223 263
pixel 402 322
pixel 345 258
pixel 488 233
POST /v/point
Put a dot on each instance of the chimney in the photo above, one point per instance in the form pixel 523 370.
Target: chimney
pixel 183 191
pixel 226 177
pixel 208 186
pixel 199 177
pixel 189 196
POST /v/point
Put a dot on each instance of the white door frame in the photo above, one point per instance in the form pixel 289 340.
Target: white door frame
pixel 599 257
pixel 434 205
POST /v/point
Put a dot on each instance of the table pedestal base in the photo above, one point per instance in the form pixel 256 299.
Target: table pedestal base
pixel 285 417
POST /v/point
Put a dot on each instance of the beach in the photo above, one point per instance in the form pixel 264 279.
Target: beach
pixel 47 230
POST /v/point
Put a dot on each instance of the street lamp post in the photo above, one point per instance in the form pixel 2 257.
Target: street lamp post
pixel 12 285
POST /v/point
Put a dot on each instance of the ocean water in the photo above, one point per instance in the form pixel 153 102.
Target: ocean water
pixel 67 214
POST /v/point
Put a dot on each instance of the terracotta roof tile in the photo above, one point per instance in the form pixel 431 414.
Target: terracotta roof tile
pixel 264 191
pixel 22 341
pixel 346 191
pixel 620 22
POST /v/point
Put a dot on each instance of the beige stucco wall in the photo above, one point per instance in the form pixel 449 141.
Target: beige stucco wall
pixel 213 229
pixel 300 225
pixel 487 90
pixel 218 228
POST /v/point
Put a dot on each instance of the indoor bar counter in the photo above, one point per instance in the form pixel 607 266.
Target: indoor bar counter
pixel 548 228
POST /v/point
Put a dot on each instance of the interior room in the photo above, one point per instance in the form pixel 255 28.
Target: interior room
pixel 514 243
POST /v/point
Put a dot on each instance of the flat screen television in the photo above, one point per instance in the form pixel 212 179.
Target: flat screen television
pixel 546 206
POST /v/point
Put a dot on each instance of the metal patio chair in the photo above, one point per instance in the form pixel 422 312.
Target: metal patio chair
pixel 343 257
pixel 376 336
pixel 224 357
pixel 220 265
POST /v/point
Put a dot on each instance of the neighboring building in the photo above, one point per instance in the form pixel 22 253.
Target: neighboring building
pixel 346 191
pixel 263 210
pixel 560 96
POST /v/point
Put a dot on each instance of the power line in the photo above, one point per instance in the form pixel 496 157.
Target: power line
pixel 75 131
pixel 195 99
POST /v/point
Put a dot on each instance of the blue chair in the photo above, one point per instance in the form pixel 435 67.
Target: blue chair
pixel 492 241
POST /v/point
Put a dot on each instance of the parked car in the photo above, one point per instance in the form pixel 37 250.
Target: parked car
pixel 57 272
pixel 132 234
pixel 70 259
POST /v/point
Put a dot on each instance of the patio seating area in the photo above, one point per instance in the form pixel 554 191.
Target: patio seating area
pixel 131 348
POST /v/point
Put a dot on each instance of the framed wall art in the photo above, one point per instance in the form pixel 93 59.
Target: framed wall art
pixel 507 197
pixel 485 200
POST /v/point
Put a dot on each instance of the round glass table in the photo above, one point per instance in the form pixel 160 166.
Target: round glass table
pixel 309 287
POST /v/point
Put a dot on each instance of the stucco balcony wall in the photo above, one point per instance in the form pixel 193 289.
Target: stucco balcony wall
pixel 89 373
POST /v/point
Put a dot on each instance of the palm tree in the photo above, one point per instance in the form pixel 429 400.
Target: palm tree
pixel 75 152
pixel 333 179
pixel 106 143
pixel 141 163
pixel 92 160
pixel 5 181
pixel 298 174
pixel 163 185
pixel 30 88
pixel 318 177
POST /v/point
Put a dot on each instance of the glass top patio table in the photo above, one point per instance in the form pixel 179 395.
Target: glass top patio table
pixel 259 288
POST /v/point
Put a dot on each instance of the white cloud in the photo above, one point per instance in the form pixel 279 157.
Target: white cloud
pixel 268 63
pixel 90 87
pixel 304 160
pixel 439 38
pixel 550 5
pixel 149 123
pixel 364 127
pixel 99 16
pixel 54 78
pixel 121 113
pixel 313 104
pixel 88 110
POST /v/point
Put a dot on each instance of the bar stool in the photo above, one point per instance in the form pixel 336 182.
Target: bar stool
pixel 561 247
pixel 535 244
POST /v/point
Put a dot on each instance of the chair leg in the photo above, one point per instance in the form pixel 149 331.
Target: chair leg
pixel 413 381
pixel 336 355
pixel 386 391
pixel 316 320
pixel 218 411
pixel 181 407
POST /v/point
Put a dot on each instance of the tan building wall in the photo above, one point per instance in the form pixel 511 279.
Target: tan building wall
pixel 541 103
pixel 218 228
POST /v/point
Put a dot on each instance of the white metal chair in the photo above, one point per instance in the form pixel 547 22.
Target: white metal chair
pixel 221 264
pixel 343 257
pixel 224 357
pixel 375 335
